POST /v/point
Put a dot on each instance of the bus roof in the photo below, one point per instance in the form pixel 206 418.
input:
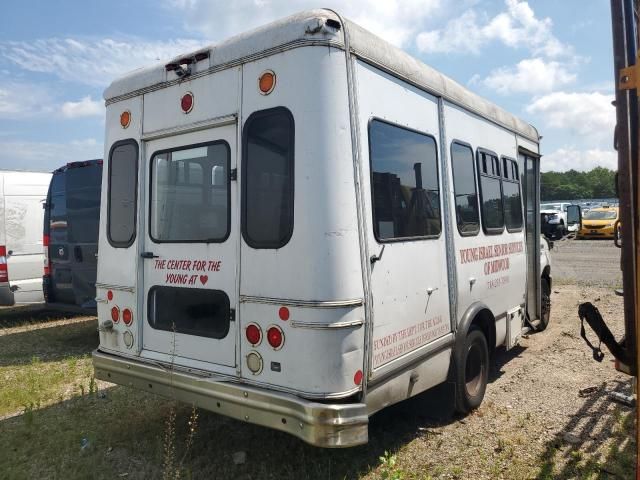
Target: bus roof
pixel 310 28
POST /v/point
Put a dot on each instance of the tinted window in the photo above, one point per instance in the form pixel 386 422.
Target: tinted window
pixel 404 182
pixel 464 187
pixel 268 181
pixel 490 192
pixel 191 311
pixel 187 205
pixel 123 181
pixel 511 196
pixel 83 203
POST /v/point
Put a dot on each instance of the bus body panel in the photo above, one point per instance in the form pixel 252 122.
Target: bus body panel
pixel 491 268
pixel 118 267
pixel 409 283
pixel 319 266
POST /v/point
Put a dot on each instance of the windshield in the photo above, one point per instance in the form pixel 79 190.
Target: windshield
pixel 550 206
pixel 601 215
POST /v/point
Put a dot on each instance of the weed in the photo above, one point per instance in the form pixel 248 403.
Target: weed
pixel 388 467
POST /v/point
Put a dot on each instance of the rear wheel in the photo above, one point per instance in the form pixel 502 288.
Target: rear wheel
pixel 472 371
pixel 545 314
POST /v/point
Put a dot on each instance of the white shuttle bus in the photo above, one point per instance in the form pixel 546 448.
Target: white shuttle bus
pixel 303 225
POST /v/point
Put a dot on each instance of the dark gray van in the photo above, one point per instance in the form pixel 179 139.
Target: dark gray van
pixel 71 223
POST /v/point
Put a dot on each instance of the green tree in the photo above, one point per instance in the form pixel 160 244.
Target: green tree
pixel 573 185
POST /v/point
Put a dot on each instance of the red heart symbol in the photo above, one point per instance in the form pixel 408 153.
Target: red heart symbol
pixel 204 279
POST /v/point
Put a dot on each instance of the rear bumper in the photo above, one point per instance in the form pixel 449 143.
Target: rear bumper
pixel 320 424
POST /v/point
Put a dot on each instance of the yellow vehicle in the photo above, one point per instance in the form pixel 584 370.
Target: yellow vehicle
pixel 599 223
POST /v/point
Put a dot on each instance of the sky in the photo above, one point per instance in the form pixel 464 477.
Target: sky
pixel 547 61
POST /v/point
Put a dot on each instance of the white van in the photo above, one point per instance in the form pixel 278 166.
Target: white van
pixel 304 224
pixel 22 195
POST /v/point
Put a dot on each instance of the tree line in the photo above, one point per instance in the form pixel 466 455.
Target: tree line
pixel 573 185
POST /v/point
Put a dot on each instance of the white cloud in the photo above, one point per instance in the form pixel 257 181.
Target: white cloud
pixel 590 115
pixel 517 27
pixel 397 21
pixel 23 100
pixel 86 107
pixel 91 61
pixel 568 158
pixel 46 156
pixel 532 75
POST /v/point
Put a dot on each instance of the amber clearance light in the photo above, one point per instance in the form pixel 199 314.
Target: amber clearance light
pixel 125 119
pixel 267 82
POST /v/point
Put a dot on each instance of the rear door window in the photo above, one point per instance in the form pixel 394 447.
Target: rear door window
pixel 190 194
pixel 268 179
pixel 122 194
pixel 83 203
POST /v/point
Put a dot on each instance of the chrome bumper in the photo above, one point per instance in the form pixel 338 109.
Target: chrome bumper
pixel 320 424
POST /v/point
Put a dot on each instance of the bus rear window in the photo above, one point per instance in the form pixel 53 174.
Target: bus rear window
pixel 267 187
pixel 190 194
pixel 122 198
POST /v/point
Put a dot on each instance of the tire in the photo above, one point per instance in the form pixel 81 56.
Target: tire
pixel 472 371
pixel 545 314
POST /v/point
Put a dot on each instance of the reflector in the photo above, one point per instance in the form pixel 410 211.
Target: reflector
pixel 267 82
pixel 186 102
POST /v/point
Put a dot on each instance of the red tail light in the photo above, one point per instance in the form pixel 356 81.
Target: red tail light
pixel 127 316
pixel 115 314
pixel 4 272
pixel 275 337
pixel 253 334
pixel 45 244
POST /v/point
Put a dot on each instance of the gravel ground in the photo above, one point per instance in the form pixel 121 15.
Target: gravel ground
pixel 546 415
pixel 587 262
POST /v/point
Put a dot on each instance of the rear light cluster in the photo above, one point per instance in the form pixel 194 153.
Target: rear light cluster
pixel 275 338
pixel 45 244
pixel 4 272
pixel 116 316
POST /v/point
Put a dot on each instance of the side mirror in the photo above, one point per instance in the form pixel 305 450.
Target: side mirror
pixel 574 215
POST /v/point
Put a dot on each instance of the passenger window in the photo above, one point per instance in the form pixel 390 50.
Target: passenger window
pixel 511 197
pixel 122 197
pixel 490 193
pixel 185 207
pixel 464 187
pixel 268 179
pixel 404 183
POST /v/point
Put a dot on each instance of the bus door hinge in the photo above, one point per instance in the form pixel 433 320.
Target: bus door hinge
pixel 232 314
pixel 233 174
pixel 628 79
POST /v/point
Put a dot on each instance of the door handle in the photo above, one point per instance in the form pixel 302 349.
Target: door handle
pixel 148 255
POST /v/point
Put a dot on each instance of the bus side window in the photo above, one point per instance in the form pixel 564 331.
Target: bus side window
pixel 490 192
pixel 404 183
pixel 511 196
pixel 464 189
pixel 122 194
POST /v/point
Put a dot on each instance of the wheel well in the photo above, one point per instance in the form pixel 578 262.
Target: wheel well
pixel 486 322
